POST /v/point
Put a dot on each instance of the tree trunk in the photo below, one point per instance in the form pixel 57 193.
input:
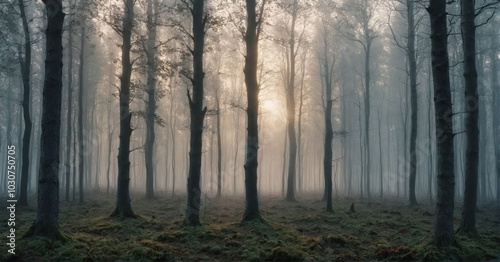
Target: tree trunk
pixel 151 103
pixel 219 149
pixel 81 148
pixel 429 135
pixel 25 73
pixel 328 154
pixel 468 224
pixel 46 223
pixel 123 206
pixel 252 211
pixel 172 134
pixel 412 61
pixel 290 106
pixel 443 226
pixel 192 216
pixel 70 109
pixel 381 170
pixel 495 85
pixel 283 171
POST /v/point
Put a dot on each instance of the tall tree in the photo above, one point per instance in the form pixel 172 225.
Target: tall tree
pixel 123 206
pixel 69 102
pixel 81 143
pixel 495 84
pixel 468 25
pixel 152 20
pixel 412 63
pixel 327 62
pixel 25 63
pixel 443 226
pixel 290 105
pixel 254 27
pixel 47 219
pixel 198 112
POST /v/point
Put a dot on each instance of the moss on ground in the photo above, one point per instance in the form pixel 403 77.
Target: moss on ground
pixel 301 231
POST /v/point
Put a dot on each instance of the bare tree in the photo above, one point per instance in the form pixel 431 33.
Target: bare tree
pixel 192 216
pixel 254 27
pixel 123 206
pixel 47 219
pixel 444 234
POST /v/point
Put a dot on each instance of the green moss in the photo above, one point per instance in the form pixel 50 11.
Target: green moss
pixel 299 231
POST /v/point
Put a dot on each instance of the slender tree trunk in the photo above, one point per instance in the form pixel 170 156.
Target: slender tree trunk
pixel 172 134
pixel 123 206
pixel 381 170
pixel 431 155
pixel 252 211
pixel 70 109
pixel 299 137
pixel 81 143
pixel 495 85
pixel 192 216
pixel 290 106
pixel 283 170
pixel 468 224
pixel 46 223
pixel 361 153
pixel 26 74
pixel 412 61
pixel 151 103
pixel 328 154
pixel 444 234
pixel 219 149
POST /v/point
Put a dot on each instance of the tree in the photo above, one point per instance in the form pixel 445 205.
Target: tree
pixel 152 20
pixel 495 84
pixel 443 226
pixel 254 27
pixel 192 216
pixel 123 206
pixel 327 62
pixel 70 109
pixel 46 223
pixel 25 63
pixel 412 63
pixel 80 114
pixel 468 15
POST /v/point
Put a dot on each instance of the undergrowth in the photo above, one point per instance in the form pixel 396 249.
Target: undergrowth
pixel 300 231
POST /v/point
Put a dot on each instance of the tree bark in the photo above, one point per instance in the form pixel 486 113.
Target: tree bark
pixel 219 148
pixel 81 144
pixel 192 216
pixel 254 22
pixel 151 91
pixel 290 106
pixel 46 223
pixel 468 224
pixel 412 61
pixel 123 206
pixel 70 109
pixel 444 234
pixel 495 85
pixel 25 73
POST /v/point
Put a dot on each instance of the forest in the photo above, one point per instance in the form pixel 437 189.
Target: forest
pixel 256 130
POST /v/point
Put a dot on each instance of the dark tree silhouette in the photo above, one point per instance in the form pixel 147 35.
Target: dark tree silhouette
pixel 254 26
pixel 192 216
pixel 123 206
pixel 468 224
pixel 25 63
pixel 46 223
pixel 443 226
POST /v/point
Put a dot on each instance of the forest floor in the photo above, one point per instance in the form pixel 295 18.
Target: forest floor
pixel 299 231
